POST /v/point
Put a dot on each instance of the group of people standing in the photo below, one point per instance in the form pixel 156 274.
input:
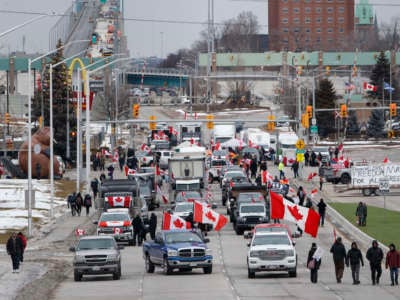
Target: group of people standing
pixel 140 230
pixel 353 258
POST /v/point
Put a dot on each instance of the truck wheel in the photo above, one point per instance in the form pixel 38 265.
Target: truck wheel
pixel 207 270
pixel 293 273
pixel 345 178
pixel 250 273
pixel 77 276
pixel 367 192
pixel 149 265
pixel 166 268
pixel 117 274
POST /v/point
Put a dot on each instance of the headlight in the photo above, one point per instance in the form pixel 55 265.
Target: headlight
pixel 172 253
pixel 79 258
pixel 290 252
pixel 254 254
pixel 113 257
pixel 208 251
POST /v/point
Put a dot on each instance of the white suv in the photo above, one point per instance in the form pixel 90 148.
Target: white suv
pixel 118 223
pixel 271 251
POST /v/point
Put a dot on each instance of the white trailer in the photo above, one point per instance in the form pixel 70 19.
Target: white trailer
pixel 224 132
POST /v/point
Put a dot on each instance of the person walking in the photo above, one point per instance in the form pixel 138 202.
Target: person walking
pixel 364 212
pixel 360 213
pixel 295 168
pixel 321 182
pixel 78 203
pixel 153 225
pixel 321 210
pixel 354 259
pixel 137 224
pixel 302 195
pixel 14 249
pixel 24 243
pixel 339 255
pixel 393 263
pixel 110 170
pixel 281 167
pixel 94 184
pixel 87 202
pixel 313 263
pixel 375 257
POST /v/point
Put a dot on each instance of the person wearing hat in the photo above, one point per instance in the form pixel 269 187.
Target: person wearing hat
pixel 375 257
pixel 313 264
pixel 339 255
pixel 393 263
pixel 353 259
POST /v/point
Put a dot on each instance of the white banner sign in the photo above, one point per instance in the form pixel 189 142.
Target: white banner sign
pixel 371 175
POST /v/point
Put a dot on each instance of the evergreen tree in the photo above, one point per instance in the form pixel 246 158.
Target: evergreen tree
pixel 376 124
pixel 325 97
pixel 352 126
pixel 381 74
pixel 60 92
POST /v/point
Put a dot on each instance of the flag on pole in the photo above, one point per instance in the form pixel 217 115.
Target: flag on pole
pixel 349 86
pixel 159 192
pixel 171 221
pixel 369 87
pixel 205 215
pixel 388 87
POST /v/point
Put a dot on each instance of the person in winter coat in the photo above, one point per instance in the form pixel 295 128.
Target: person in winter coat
pixel 393 263
pixel 137 224
pixel 317 263
pixel 253 168
pixel 110 170
pixel 14 249
pixel 94 184
pixel 322 210
pixel 295 168
pixel 375 257
pixel 364 220
pixel 281 168
pixel 24 243
pixel 153 225
pixel 339 255
pixel 360 213
pixel 354 259
pixel 78 203
pixel 302 195
pixel 87 202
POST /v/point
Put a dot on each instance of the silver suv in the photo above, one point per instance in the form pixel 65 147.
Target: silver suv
pixel 95 255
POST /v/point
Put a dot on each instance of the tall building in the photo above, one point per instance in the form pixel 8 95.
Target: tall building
pixel 365 26
pixel 311 25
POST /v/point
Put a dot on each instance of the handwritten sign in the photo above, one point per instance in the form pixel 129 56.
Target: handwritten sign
pixel 371 175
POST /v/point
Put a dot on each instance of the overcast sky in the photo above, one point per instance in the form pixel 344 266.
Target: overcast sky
pixel 144 38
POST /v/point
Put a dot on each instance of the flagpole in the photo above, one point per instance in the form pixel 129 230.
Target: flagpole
pixel 390 94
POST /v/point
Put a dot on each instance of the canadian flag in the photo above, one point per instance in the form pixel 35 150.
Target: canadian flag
pixel 314 192
pixel 144 147
pixel 129 171
pixel 79 232
pixel 370 87
pixel 117 230
pixel 115 156
pixel 307 219
pixel 340 147
pixel 159 192
pixel 174 222
pixel 119 201
pixel 156 137
pixel 386 160
pixel 205 215
pixel 217 146
pixel 311 176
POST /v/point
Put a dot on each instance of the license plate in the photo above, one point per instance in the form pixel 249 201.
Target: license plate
pixel 96 268
pixel 193 264
pixel 272 267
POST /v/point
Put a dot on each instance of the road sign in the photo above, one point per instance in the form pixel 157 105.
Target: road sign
pixel 313 121
pixel 314 129
pixel 384 185
pixel 300 144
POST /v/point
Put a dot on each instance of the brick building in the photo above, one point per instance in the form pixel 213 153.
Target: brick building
pixel 311 25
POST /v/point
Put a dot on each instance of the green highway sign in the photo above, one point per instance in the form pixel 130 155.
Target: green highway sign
pixel 314 129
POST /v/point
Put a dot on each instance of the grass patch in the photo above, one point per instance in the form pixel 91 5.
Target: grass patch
pixel 381 224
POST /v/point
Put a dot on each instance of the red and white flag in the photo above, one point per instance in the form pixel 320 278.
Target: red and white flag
pixel 311 176
pixel 119 201
pixel 144 147
pixel 117 230
pixel 115 156
pixel 314 192
pixel 159 192
pixel 217 146
pixel 195 115
pixel 386 160
pixel 174 222
pixel 105 152
pixel 129 171
pixel 370 87
pixel 205 215
pixel 80 232
pixel 307 219
pixel 340 147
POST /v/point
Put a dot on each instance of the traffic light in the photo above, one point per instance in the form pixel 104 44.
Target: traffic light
pixel 327 70
pixel 135 110
pixel 299 70
pixel 94 38
pixel 343 111
pixel 210 121
pixel 305 120
pixel 393 109
pixel 73 133
pixel 354 71
pixel 40 120
pixel 7 118
pixel 153 123
pixel 309 111
pixel 271 122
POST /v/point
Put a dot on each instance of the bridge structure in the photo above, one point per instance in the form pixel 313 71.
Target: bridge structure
pixel 160 77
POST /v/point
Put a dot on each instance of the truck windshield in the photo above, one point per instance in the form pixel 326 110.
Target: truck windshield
pixel 271 240
pixel 87 244
pixel 113 217
pixel 187 186
pixel 252 209
pixel 184 207
pixel 250 197
pixel 182 237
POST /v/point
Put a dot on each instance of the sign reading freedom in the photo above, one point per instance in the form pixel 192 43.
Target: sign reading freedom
pixel 371 175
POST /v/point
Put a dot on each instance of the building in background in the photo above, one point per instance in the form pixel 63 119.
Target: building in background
pixel 366 27
pixel 311 25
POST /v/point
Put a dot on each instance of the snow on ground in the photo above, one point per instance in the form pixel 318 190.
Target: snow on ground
pixel 13 214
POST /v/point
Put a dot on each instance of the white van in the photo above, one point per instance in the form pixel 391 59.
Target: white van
pixel 286 147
